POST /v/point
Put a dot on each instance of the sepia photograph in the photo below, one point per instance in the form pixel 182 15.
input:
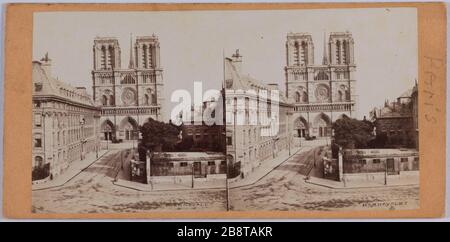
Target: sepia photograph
pixel 251 110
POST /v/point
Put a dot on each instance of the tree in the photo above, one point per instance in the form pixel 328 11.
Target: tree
pixel 379 141
pixel 158 135
pixel 352 133
pixel 186 143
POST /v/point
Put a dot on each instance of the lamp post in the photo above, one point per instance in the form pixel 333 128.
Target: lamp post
pixel 121 160
pixel 385 172
pixel 288 132
pixel 314 151
pixel 82 122
pixel 133 133
pixel 192 176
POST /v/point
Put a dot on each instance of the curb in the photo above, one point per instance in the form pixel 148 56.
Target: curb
pixel 76 174
pixel 166 190
pixel 363 187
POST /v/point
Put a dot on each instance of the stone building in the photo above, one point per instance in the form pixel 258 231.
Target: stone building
pixel 377 165
pixel 207 137
pixel 127 96
pixel 398 120
pixel 321 93
pixel 66 123
pixel 254 132
pixel 198 164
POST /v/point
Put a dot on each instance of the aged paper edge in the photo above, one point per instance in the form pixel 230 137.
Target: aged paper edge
pixel 432 32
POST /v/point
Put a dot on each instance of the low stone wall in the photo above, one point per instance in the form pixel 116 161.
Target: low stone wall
pixel 185 179
pixel 378 176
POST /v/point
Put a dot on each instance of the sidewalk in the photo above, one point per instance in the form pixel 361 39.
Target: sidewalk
pixel 73 170
pixel 392 181
pixel 266 167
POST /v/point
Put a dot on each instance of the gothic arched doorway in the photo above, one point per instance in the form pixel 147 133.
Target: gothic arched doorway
pixel 108 130
pixel 129 128
pixel 301 126
pixel 323 125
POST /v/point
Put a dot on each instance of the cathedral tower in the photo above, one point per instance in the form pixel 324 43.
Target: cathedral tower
pixel 147 52
pixel 106 54
pixel 324 92
pixel 128 96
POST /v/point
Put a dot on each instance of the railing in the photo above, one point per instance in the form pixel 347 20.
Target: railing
pixel 130 110
pixel 324 107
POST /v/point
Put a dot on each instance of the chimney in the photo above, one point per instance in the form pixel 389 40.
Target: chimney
pixel 236 59
pixel 46 64
pixel 82 90
pixel 273 86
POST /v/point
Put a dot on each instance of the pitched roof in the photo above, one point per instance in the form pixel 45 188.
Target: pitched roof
pixel 237 81
pixel 54 87
pixel 407 93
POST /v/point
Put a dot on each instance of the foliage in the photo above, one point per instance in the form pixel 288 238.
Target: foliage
pixel 186 143
pixel 40 172
pixel 142 151
pixel 380 141
pixel 352 133
pixel 158 135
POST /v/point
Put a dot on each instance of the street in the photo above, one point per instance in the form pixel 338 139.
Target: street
pixel 284 189
pixel 92 191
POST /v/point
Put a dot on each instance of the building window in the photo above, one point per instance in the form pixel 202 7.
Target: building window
pixel 39 162
pixel 154 101
pixel 111 100
pixel 37 104
pixel 183 164
pixel 363 162
pixel 229 141
pixel 211 163
pixel 128 79
pixel 146 99
pixel 376 161
pixel 104 100
pixel 416 158
pixel 404 159
pixel 37 87
pixel 38 142
pixel 37 120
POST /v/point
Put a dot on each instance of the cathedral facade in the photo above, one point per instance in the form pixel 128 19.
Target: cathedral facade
pixel 320 93
pixel 128 96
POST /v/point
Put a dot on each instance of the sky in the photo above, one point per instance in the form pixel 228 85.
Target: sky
pixel 193 44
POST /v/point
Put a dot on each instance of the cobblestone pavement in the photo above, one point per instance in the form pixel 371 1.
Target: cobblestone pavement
pixel 92 191
pixel 285 189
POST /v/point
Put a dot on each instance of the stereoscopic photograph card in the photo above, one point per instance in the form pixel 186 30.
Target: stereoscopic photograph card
pixel 225 110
